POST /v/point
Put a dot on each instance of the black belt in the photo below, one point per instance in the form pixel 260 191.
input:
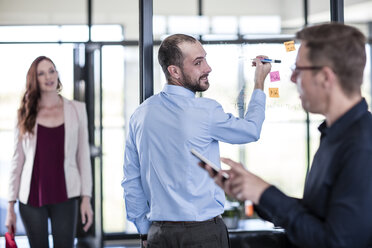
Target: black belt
pixel 187 222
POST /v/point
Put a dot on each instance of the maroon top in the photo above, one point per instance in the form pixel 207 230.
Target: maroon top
pixel 48 184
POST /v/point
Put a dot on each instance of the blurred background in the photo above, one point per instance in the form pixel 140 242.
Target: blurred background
pixel 96 46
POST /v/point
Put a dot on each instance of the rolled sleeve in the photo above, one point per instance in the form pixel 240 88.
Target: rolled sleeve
pixel 227 128
pixel 136 203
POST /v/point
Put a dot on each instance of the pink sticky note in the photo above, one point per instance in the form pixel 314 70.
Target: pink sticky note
pixel 274 76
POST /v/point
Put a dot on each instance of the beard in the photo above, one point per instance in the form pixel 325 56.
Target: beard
pixel 195 85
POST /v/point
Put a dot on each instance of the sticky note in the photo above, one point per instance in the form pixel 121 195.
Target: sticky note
pixel 274 76
pixel 274 92
pixel 289 46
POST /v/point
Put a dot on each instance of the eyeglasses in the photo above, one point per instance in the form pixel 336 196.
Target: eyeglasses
pixel 296 69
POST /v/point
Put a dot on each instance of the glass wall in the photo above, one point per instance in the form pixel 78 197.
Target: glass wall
pixel 120 96
pixel 319 11
pixel 232 76
pixel 284 125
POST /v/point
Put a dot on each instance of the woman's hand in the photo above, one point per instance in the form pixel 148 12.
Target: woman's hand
pixel 86 213
pixel 11 218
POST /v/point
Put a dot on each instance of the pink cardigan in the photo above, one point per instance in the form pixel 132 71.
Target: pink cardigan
pixel 77 167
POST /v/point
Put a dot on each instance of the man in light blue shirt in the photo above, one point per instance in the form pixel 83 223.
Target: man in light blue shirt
pixel 164 188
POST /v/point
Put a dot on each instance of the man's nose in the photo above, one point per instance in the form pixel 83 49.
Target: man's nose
pixel 294 77
pixel 208 69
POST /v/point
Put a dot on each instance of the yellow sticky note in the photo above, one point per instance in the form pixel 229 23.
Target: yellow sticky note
pixel 274 92
pixel 290 46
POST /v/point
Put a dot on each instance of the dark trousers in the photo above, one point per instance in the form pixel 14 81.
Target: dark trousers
pixel 207 234
pixel 63 218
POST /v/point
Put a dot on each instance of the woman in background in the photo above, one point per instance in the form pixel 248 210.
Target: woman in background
pixel 50 169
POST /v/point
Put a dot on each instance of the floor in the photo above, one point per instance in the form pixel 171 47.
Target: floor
pixel 244 225
pixel 22 242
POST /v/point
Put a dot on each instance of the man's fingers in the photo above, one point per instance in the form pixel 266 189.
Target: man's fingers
pixel 211 172
pixel 236 171
pixel 201 164
pixel 228 161
pixel 262 57
pixel 209 169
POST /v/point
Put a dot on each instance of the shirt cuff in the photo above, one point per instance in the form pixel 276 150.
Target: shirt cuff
pixel 259 96
pixel 275 205
pixel 143 225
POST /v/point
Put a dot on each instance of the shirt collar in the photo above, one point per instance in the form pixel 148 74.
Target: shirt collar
pixel 178 90
pixel 344 122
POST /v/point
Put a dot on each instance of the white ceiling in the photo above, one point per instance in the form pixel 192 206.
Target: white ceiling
pixel 125 12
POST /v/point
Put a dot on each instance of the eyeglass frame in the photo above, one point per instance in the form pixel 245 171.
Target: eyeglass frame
pixel 296 69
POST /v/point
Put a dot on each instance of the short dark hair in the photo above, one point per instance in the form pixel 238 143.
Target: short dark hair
pixel 170 53
pixel 340 47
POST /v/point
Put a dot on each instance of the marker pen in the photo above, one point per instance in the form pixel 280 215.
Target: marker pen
pixel 270 61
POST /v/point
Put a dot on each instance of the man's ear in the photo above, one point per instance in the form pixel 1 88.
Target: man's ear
pixel 329 78
pixel 174 71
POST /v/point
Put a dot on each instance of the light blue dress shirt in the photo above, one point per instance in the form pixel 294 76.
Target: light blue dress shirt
pixel 162 179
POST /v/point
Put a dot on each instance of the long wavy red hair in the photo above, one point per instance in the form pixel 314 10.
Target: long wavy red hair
pixel 27 112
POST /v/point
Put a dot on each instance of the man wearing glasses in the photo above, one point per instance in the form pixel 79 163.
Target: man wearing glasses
pixel 335 210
